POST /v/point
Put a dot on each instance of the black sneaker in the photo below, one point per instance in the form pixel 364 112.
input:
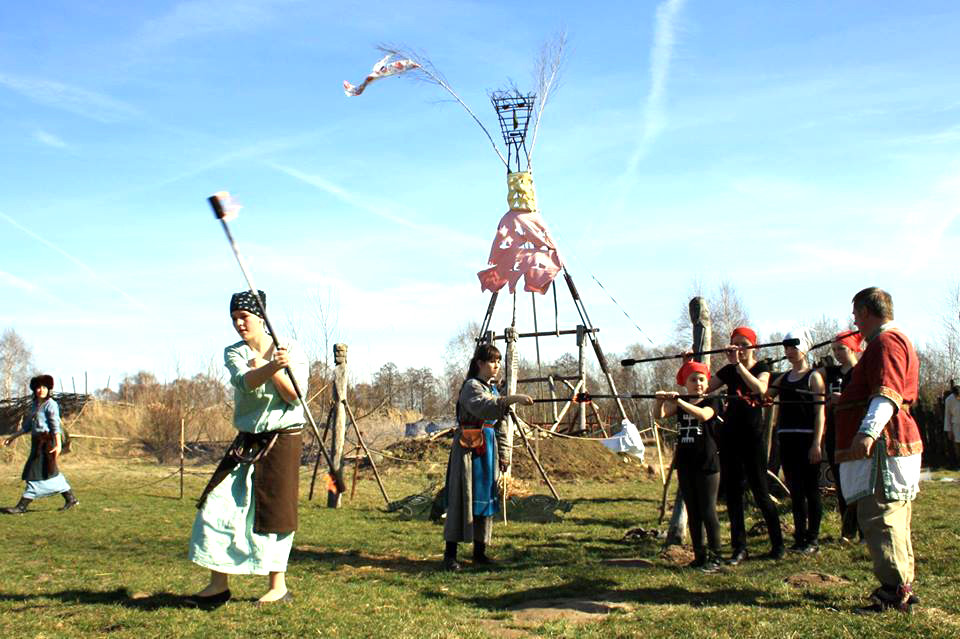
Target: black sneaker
pixel 812 547
pixel 451 565
pixel 738 556
pixel 797 546
pixel 711 564
pixel 776 553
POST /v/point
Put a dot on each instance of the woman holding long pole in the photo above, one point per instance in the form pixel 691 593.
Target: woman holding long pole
pixel 743 454
pixel 248 511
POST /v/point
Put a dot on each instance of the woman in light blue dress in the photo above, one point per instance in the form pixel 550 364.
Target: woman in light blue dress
pixel 42 472
pixel 248 511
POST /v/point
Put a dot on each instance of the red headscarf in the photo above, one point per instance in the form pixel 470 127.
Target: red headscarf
pixel 688 369
pixel 851 340
pixel 748 333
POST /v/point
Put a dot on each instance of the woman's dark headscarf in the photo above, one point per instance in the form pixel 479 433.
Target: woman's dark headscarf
pixel 245 301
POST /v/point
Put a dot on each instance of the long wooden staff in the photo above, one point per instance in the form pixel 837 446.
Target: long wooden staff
pixel 586 398
pixel 223 214
pixel 663 498
pixel 536 460
pixel 714 351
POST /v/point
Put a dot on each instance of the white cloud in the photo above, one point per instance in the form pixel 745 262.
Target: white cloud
pixel 661 53
pixel 93 274
pixel 77 100
pixel 9 279
pixel 195 18
pixel 12 281
pixel 379 210
pixel 49 139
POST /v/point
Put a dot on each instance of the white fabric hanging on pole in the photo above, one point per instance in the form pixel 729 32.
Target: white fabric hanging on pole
pixel 626 441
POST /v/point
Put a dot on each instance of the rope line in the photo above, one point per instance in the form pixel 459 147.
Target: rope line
pixel 623 310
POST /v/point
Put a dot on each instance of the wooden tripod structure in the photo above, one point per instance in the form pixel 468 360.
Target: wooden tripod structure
pixel 337 417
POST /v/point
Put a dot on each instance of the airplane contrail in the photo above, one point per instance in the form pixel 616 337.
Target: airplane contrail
pixel 76 261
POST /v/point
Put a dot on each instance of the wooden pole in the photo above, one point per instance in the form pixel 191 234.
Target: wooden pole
pixel 536 460
pixel 582 372
pixel 376 473
pixel 316 464
pixel 504 504
pixel 510 368
pixel 663 498
pixel 313 481
pixel 553 395
pixel 356 471
pixel 656 438
pixel 536 330
pixel 182 438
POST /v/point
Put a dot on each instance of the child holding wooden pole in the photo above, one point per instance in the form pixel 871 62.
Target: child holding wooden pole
pixel 696 458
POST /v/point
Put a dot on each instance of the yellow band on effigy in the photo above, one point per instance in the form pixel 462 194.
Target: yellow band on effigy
pixel 520 192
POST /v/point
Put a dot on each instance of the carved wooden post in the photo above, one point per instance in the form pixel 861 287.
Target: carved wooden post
pixel 510 388
pixel 340 420
pixel 582 372
pixel 700 318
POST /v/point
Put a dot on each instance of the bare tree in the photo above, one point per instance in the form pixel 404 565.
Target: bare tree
pixel 950 333
pixel 727 312
pixel 456 358
pixel 316 331
pixel 387 385
pixel 16 364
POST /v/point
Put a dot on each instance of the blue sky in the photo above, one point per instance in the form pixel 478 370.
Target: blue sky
pixel 800 151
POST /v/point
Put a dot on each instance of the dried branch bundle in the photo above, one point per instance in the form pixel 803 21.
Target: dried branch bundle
pixel 429 73
pixel 548 69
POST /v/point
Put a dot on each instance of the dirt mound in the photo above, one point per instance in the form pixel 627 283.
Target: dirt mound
pixel 814 580
pixel 677 555
pixel 563 459
pixel 527 617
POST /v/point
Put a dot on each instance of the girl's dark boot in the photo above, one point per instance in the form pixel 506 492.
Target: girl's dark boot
pixel 19 509
pixel 450 557
pixel 480 554
pixel 69 500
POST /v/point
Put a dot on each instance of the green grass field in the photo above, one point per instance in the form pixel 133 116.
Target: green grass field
pixel 116 566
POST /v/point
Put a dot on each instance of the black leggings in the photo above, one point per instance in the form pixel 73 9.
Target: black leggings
pixel 803 480
pixel 699 492
pixel 743 456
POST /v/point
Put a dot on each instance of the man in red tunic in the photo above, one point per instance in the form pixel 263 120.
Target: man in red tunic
pixel 879 446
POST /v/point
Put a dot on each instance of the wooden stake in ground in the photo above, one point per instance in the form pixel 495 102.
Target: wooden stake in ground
pixel 510 370
pixel 182 428
pixel 656 438
pixel 373 465
pixel 356 471
pixel 316 464
pixel 533 455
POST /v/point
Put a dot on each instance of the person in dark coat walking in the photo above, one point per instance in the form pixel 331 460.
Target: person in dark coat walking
pixel 477 457
pixel 42 470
